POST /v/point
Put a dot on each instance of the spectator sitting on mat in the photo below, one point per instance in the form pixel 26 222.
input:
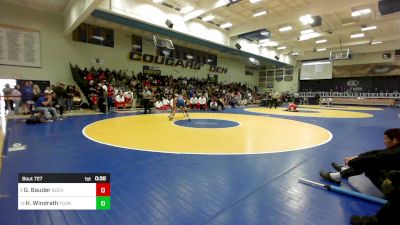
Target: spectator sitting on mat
pixel 166 103
pixel 373 163
pixel 43 104
pixel 244 102
pixel 194 102
pixel 119 100
pixel 203 102
pixel 388 214
pixel 128 95
pixel 214 105
pixel 158 104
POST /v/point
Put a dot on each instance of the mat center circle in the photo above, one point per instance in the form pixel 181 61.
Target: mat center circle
pixel 206 123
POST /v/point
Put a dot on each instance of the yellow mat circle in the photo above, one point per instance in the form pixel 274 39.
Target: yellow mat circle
pixel 255 134
pixel 322 113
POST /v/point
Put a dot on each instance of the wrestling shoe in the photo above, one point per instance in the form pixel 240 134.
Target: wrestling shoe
pixel 336 166
pixel 327 176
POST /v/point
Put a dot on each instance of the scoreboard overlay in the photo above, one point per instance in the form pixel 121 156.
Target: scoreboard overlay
pixel 64 191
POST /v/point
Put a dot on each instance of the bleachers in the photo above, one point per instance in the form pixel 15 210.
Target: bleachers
pixel 346 98
pixel 364 101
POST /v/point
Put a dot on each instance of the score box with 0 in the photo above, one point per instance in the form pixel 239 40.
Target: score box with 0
pixel 64 191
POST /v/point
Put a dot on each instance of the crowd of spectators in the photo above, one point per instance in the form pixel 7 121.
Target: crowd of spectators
pixel 347 89
pixel 28 97
pixel 108 90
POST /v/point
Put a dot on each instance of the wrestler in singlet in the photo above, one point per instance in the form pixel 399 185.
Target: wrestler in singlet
pixel 179 101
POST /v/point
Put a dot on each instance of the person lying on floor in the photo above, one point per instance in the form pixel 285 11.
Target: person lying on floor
pixel 375 164
pixel 388 214
pixel 292 107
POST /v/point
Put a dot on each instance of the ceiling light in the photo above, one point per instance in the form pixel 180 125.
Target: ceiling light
pixel 208 18
pixel 260 13
pixel 321 49
pixel 306 31
pixel 157 1
pixel 186 9
pixel 287 28
pixel 320 41
pixel 265 33
pixel 309 36
pixel 348 23
pixel 254 1
pixel 316 63
pixel 295 53
pixel 376 42
pixel 361 12
pixel 98 38
pixel 254 61
pixel 225 25
pixel 368 28
pixel 221 3
pixel 281 47
pixel 189 56
pixel 306 19
pixel 357 35
pixel 270 44
pixel 166 52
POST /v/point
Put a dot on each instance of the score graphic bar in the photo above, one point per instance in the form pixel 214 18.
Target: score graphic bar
pixel 64 191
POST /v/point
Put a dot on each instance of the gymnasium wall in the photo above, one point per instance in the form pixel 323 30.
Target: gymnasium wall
pixel 357 84
pixel 57 51
pixel 372 77
pixel 369 70
pixel 291 86
pixel 366 58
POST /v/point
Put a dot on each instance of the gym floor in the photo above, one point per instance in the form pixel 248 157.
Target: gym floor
pixel 234 167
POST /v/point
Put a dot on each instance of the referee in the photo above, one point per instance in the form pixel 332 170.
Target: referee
pixel 146 99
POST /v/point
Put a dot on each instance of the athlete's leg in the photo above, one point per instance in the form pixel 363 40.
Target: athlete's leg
pixel 173 111
pixel 186 111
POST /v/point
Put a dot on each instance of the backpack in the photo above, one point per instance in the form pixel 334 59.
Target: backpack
pixel 34 120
